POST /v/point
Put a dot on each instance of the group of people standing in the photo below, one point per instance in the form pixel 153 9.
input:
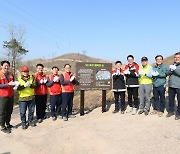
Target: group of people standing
pixel 143 80
pixel 33 91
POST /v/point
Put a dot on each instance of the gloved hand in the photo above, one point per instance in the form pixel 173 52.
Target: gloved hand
pixel 172 67
pixel 55 79
pixel 27 84
pixel 41 81
pixel 72 78
pixel 118 72
pixel 141 72
pixel 16 85
pixel 45 80
pixel 126 72
pixel 155 73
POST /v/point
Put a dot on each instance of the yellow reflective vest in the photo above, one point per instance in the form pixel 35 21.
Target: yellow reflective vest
pixel 26 92
pixel 143 78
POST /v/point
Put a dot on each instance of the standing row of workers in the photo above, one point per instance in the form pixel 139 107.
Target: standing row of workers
pixel 147 78
pixel 33 90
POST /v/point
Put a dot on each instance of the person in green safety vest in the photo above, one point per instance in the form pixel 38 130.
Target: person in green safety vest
pixel 26 97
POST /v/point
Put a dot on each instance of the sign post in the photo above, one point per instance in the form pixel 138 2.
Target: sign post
pixel 81 102
pixel 93 76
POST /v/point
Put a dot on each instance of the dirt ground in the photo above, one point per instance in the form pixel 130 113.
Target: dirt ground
pixel 95 133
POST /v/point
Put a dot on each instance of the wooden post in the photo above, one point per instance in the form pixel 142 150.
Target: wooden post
pixel 81 102
pixel 103 101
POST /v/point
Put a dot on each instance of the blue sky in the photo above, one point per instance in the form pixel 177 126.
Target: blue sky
pixel 107 29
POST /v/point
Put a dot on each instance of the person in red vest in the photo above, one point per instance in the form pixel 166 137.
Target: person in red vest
pixel 132 83
pixel 41 92
pixel 6 97
pixel 55 93
pixel 67 83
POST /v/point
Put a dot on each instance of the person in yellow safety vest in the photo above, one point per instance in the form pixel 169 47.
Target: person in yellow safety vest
pixel 145 86
pixel 26 97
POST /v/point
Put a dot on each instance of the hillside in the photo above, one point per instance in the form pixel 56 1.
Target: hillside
pixel 70 58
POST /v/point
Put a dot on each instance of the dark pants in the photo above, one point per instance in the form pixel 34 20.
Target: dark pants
pixel 159 98
pixel 133 92
pixel 172 94
pixel 56 101
pixel 122 97
pixel 41 101
pixel 67 103
pixel 6 108
pixel 23 105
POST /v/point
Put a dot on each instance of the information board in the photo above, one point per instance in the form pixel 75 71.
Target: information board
pixel 94 76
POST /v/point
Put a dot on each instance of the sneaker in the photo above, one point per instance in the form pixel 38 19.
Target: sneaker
pixel 169 114
pixel 140 112
pixel 40 120
pixel 32 124
pixel 160 114
pixel 65 118
pixel 115 111
pixel 154 112
pixel 177 117
pixel 134 111
pixel 46 117
pixel 24 127
pixel 122 112
pixel 9 126
pixel 5 130
pixel 146 113
pixel 129 110
pixel 60 117
pixel 54 118
pixel 71 116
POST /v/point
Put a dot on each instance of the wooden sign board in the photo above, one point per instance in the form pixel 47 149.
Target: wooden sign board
pixel 94 76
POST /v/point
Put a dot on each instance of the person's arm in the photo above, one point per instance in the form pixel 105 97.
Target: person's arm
pixel 49 83
pixel 163 74
pixel 149 74
pixel 177 72
pixel 33 85
pixel 2 86
pixel 62 80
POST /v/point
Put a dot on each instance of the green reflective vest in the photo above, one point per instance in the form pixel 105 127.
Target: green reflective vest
pixel 26 92
pixel 143 78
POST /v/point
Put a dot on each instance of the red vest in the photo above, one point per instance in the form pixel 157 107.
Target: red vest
pixel 42 88
pixel 8 91
pixel 69 87
pixel 55 89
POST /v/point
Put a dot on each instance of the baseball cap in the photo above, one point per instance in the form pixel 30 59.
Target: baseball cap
pixel 24 69
pixel 144 59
